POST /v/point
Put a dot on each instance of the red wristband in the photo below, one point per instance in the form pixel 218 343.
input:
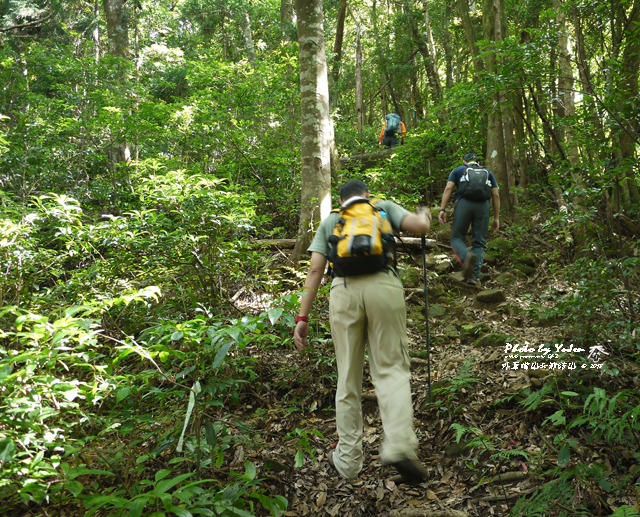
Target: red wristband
pixel 302 318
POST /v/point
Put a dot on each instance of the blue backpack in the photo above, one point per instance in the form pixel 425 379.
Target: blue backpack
pixel 393 124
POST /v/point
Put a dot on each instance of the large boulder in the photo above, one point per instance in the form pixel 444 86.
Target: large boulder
pixel 495 339
pixel 437 311
pixel 506 279
pixel 491 296
pixel 410 276
pixel 473 330
pixel 527 258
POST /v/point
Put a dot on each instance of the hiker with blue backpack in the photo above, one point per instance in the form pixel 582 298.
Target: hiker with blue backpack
pixel 392 126
pixel 476 186
pixel 366 309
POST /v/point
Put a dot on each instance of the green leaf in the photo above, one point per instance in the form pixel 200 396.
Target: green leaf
pixel 210 434
pixel 81 471
pixel 7 450
pixel 190 405
pixel 564 455
pixel 166 484
pixel 75 487
pixel 161 474
pixel 222 352
pixel 570 393
pixel 274 314
pixel 605 485
pixel 180 512
pixel 299 459
pixel 234 332
pixel 122 394
pixel 177 335
pixel 249 471
pixel 136 507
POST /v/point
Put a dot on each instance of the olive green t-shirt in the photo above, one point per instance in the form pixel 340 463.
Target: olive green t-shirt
pixel 320 242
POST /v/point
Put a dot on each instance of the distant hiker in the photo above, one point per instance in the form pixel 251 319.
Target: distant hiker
pixel 392 126
pixel 476 185
pixel 366 308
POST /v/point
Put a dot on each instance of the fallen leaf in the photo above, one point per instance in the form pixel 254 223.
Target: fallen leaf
pixel 431 495
pixel 322 498
pixel 447 476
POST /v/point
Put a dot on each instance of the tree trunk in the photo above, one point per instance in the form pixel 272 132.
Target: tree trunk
pixel 245 21
pixel 495 157
pixel 286 20
pixel 117 27
pixel 470 33
pixel 358 76
pixel 427 55
pixel 521 139
pixel 381 55
pixel 337 45
pixel 446 44
pixel 118 35
pixel 315 128
pixel 627 87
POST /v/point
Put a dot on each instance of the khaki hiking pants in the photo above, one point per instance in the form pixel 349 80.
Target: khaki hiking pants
pixel 370 309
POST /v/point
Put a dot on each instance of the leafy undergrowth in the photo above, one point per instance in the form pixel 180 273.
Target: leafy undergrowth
pixel 221 416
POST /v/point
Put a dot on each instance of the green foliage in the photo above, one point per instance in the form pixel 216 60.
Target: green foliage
pixel 603 305
pixel 302 438
pixel 449 392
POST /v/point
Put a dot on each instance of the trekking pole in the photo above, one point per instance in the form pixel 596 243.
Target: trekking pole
pixel 426 309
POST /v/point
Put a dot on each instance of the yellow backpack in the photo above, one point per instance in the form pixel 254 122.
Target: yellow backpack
pixel 362 242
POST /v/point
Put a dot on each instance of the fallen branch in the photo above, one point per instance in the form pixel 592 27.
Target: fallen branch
pixel 495 498
pixel 509 477
pixel 423 512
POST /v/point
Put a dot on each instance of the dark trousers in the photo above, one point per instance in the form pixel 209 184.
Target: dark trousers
pixel 390 141
pixel 475 214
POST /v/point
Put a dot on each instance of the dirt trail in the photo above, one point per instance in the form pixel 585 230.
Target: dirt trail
pixel 468 378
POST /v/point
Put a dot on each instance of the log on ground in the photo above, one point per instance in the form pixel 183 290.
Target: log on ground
pixel 365 161
pixel 409 242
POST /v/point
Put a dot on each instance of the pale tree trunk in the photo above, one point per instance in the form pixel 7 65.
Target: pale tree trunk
pixel 567 110
pixel 286 19
pixel 248 35
pixel 96 31
pixel 448 53
pixel 315 128
pixel 118 37
pixel 495 159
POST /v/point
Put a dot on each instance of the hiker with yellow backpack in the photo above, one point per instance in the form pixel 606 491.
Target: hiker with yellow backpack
pixel 366 306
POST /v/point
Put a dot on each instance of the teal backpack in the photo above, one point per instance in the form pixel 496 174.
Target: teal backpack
pixel 393 124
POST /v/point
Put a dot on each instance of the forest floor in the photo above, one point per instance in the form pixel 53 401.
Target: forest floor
pixel 474 395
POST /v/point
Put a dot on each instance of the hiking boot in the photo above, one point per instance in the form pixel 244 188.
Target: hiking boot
pixel 331 464
pixel 412 472
pixel 472 280
pixel 467 265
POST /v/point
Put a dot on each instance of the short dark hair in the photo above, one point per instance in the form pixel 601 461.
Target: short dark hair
pixel 470 156
pixel 353 188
